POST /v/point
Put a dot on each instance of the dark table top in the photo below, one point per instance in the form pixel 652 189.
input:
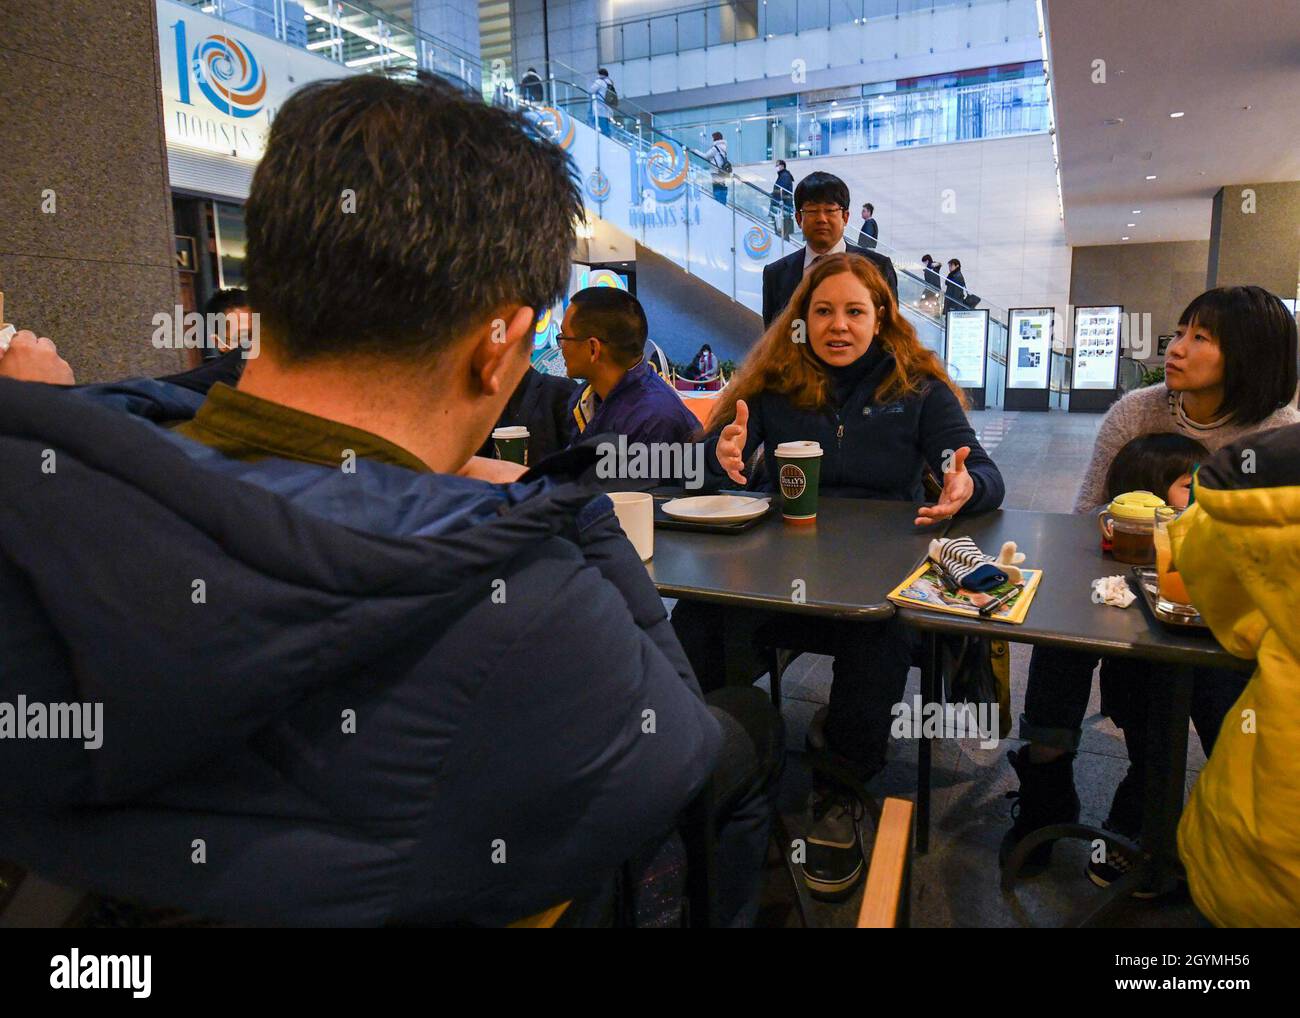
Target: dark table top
pixel 849 560
pixel 1067 548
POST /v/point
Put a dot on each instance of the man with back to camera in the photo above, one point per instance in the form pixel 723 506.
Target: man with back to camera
pixel 602 338
pixel 821 208
pixel 365 681
pixel 870 230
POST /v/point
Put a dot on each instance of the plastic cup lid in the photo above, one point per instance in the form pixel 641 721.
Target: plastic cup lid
pixel 514 431
pixel 1136 505
pixel 798 450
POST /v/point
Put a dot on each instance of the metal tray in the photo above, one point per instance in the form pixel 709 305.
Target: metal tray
pixel 1145 583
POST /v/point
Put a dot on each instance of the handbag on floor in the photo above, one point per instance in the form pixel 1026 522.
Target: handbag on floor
pixel 977 670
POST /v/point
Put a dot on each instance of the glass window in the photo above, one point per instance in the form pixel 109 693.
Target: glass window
pixel 229 221
pixel 636 40
pixel 746 14
pixel 813 14
pixel 611 48
pixel 781 16
pixel 845 12
pixel 690 30
pixel 663 35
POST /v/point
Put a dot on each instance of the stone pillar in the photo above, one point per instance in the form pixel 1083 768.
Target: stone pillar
pixel 454 22
pixel 86 250
pixel 572 25
pixel 1255 237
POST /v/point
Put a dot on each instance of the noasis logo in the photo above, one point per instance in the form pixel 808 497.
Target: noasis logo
pixel 793 481
pixel 225 71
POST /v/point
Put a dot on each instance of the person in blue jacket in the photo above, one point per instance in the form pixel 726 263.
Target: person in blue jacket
pixel 335 675
pixel 842 367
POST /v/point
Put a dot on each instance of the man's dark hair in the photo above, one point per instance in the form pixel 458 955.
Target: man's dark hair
pixel 224 300
pixel 955 262
pixel 1257 336
pixel 1152 463
pixel 781 163
pixel 870 208
pixel 926 259
pixel 614 317
pixel 821 188
pixel 387 216
pixel 603 73
pixel 717 135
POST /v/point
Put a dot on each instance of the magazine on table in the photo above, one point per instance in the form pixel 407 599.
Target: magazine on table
pixel 925 588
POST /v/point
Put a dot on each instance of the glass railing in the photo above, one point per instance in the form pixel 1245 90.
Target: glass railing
pixel 936 116
pixel 745 209
pixel 350 33
pixel 700 26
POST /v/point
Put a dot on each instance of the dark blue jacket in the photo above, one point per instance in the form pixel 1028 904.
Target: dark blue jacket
pixel 871 450
pixel 783 276
pixel 513 721
pixel 643 407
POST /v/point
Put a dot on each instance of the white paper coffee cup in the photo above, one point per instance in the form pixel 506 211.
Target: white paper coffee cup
pixel 636 515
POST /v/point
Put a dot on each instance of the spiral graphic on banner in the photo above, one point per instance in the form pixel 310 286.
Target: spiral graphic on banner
pixel 543 329
pixel 597 186
pixel 606 277
pixel 556 125
pixel 757 243
pixel 665 168
pixel 229 75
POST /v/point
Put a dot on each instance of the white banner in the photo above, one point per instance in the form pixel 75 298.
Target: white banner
pixel 222 85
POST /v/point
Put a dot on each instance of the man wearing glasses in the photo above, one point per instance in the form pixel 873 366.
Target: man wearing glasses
pixel 821 204
pixel 603 339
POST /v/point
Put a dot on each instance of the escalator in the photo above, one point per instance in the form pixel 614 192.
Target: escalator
pixel 722 230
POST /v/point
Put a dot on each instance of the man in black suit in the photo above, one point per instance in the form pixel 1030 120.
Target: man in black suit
pixel 821 208
pixel 870 230
pixel 541 404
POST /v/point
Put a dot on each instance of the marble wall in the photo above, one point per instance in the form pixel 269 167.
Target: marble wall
pixel 86 252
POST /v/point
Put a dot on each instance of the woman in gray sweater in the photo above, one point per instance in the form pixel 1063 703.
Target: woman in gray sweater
pixel 1230 371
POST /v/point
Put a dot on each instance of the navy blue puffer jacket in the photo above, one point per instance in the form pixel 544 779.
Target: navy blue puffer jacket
pixel 870 449
pixel 483 725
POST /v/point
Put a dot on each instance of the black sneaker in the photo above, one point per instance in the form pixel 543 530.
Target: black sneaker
pixel 1119 863
pixel 1046 796
pixel 833 862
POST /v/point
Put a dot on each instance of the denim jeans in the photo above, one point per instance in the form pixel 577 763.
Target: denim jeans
pixel 1056 700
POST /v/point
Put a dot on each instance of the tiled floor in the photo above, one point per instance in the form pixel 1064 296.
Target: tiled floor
pixel 1042 456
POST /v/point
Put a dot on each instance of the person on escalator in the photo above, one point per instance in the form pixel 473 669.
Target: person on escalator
pixel 717 157
pixel 603 96
pixel 821 203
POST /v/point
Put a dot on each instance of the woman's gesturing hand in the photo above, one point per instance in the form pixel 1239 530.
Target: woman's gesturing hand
pixel 957 490
pixel 731 444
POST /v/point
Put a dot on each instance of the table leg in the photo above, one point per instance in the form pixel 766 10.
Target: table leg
pixel 737 648
pixel 929 694
pixel 1170 709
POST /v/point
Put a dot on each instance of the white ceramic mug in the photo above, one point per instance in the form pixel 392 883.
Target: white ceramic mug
pixel 636 515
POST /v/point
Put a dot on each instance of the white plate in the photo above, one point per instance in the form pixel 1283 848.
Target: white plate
pixel 716 508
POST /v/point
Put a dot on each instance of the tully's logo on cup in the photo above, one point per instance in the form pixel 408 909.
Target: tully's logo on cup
pixel 793 481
